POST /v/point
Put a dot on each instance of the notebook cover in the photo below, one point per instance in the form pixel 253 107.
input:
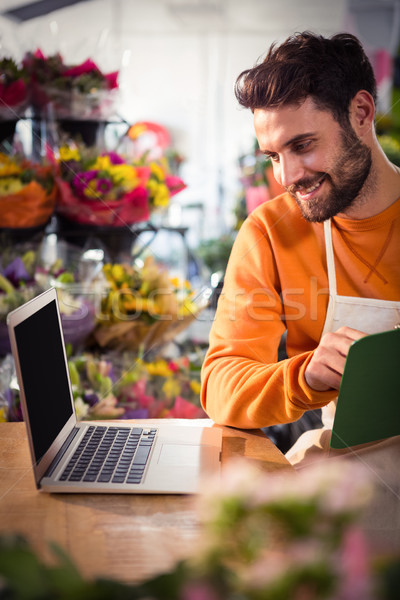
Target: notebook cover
pixel 368 407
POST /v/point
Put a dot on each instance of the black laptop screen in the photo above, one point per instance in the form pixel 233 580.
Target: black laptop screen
pixel 44 376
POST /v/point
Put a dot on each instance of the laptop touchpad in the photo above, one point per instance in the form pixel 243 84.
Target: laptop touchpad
pixel 183 455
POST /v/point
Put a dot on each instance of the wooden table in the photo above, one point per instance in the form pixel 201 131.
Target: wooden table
pixel 125 537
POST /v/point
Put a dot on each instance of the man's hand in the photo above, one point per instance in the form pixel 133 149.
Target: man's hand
pixel 325 369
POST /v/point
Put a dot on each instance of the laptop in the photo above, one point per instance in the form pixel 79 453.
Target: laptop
pixel 368 405
pixel 106 457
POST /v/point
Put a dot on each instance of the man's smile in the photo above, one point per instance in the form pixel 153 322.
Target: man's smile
pixel 306 190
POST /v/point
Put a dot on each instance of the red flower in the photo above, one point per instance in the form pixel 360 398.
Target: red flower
pixel 13 94
pixel 135 206
pixel 143 173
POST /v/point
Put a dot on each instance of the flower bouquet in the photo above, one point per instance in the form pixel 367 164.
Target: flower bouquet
pixel 143 306
pixel 73 91
pixel 14 97
pixel 129 387
pixel 17 286
pixel 106 190
pixel 115 386
pixel 27 193
pixel 77 293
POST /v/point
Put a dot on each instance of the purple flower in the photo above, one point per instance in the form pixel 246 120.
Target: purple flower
pixel 138 413
pixel 14 407
pixel 81 181
pixel 115 158
pixel 91 399
pixel 16 271
pixel 103 185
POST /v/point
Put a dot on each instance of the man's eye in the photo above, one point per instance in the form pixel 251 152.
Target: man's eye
pixel 302 147
pixel 273 157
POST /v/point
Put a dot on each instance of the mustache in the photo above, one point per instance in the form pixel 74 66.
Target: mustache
pixel 305 183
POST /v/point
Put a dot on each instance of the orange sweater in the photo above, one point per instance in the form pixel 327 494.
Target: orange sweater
pixel 275 280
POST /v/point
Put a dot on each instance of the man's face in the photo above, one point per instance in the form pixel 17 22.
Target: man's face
pixel 323 166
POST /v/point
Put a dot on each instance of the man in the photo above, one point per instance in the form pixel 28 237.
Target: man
pixel 320 261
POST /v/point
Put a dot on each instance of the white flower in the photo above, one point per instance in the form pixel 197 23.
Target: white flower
pixel 81 408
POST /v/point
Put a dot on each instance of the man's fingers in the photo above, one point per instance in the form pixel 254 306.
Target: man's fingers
pixel 326 367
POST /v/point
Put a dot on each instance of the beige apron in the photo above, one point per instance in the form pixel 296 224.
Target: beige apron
pixel 382 459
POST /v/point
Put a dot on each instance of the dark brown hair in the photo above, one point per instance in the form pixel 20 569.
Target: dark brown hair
pixel 330 70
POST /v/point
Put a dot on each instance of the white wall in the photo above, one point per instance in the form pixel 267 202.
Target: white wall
pixel 178 62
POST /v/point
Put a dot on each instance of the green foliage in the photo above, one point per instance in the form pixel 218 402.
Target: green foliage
pixel 391 147
pixel 215 252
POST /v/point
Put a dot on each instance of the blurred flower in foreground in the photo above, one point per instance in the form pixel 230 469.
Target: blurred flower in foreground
pixel 287 535
pixel 265 536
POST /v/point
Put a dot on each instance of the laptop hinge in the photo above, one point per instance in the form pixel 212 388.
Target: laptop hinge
pixel 61 452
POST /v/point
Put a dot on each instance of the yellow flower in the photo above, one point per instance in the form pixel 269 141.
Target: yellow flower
pixel 3 415
pixel 117 273
pixel 159 367
pixel 157 171
pixel 67 153
pixel 195 386
pixel 124 175
pixel 90 190
pixel 171 388
pixel 187 308
pixel 175 282
pixel 102 163
pixel 8 166
pixel 10 185
pixel 161 197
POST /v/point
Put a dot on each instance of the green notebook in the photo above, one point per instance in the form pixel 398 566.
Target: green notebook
pixel 368 406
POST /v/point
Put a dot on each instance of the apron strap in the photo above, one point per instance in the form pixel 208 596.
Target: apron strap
pixel 330 261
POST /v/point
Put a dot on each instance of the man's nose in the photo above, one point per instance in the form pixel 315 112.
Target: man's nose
pixel 291 171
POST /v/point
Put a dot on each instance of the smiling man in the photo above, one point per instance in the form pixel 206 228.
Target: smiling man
pixel 319 262
pixel 334 234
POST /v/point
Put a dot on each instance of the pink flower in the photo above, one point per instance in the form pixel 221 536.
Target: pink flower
pixel 111 79
pixel 86 67
pixel 174 184
pixel 199 590
pixel 355 564
pixel 183 409
pixel 139 393
pixel 173 366
pixel 39 54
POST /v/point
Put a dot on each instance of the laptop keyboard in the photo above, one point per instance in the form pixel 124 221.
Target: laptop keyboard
pixel 111 455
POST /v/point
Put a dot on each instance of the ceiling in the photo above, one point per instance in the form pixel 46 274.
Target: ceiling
pixel 21 11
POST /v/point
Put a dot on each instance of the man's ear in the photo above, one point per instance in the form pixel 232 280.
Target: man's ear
pixel 362 112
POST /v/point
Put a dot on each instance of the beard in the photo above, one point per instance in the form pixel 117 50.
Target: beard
pixel 346 180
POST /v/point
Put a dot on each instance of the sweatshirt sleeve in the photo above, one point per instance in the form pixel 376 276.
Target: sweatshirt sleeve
pixel 243 384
